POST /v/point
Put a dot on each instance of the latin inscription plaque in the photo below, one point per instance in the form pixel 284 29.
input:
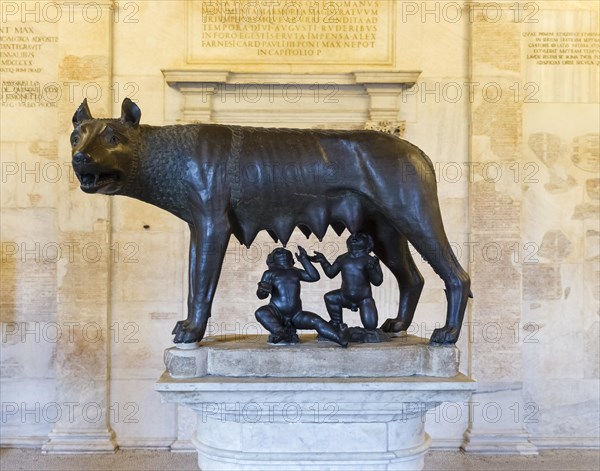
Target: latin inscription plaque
pixel 28 57
pixel 311 32
pixel 561 55
pixel 563 48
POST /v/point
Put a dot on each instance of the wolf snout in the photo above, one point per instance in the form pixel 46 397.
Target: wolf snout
pixel 81 158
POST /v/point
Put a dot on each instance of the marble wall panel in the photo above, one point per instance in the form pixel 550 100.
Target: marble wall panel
pixel 186 426
pixel 131 215
pixel 446 424
pixel 140 272
pixel 138 417
pixel 30 172
pixel 138 334
pixel 157 26
pixel 555 414
pixel 561 47
pixel 30 252
pixel 28 349
pixel 30 410
pixel 560 131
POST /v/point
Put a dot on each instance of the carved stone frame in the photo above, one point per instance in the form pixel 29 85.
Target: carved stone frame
pixel 383 89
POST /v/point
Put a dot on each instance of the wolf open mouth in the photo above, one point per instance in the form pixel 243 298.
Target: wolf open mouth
pixel 92 182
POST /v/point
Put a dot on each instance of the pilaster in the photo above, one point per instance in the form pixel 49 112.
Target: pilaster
pixel 497 409
pixel 83 281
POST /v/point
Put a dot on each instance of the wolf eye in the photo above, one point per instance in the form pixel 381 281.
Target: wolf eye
pixel 111 137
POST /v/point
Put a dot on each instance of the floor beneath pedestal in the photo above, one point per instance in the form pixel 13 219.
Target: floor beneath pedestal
pixel 128 460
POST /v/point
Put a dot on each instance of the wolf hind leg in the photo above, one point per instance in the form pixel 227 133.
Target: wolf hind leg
pixel 392 249
pixel 428 237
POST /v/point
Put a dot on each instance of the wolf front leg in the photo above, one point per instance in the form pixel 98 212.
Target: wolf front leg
pixel 208 244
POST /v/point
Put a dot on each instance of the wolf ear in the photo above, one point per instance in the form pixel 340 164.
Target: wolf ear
pixel 130 113
pixel 82 114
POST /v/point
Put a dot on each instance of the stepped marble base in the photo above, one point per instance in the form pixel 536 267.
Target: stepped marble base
pixel 509 443
pixel 80 441
pixel 300 422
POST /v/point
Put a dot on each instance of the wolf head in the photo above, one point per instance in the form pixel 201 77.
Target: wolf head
pixel 104 151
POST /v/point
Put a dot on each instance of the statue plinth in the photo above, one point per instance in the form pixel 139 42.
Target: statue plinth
pixel 314 406
pixel 252 356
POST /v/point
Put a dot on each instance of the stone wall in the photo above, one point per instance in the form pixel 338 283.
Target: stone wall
pixel 505 103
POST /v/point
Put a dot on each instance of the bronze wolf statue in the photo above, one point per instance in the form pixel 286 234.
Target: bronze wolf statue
pixel 225 180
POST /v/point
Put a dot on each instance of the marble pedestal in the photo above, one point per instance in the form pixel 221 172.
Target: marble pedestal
pixel 329 414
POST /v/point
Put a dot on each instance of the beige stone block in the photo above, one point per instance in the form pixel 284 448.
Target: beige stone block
pixel 12 118
pixel 29 81
pixel 28 348
pixel 566 73
pixel 83 276
pixel 410 40
pixel 30 407
pixel 235 318
pixel 592 188
pixel 147 91
pixel 555 246
pixel 139 30
pixel 186 363
pixel 447 422
pixel 568 121
pixel 494 271
pixel 592 292
pixel 591 351
pixel 131 215
pixel 497 115
pixel 592 244
pixel 138 334
pixel 288 104
pixel 88 399
pixel 92 210
pixel 545 216
pixel 495 352
pixel 553 343
pixel 83 347
pixel 186 426
pixel 541 281
pixel 29 254
pixel 494 46
pixel 441 103
pixel 92 23
pixel 454 214
pixel 552 413
pixel 138 416
pixel 31 174
pixel 443 27
pixel 150 267
pixel 11 174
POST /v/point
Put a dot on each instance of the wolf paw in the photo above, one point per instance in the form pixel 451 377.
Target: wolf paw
pixel 186 332
pixel 445 335
pixel 395 325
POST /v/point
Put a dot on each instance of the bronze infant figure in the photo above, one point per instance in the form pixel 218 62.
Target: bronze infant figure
pixel 225 180
pixel 359 270
pixel 284 314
